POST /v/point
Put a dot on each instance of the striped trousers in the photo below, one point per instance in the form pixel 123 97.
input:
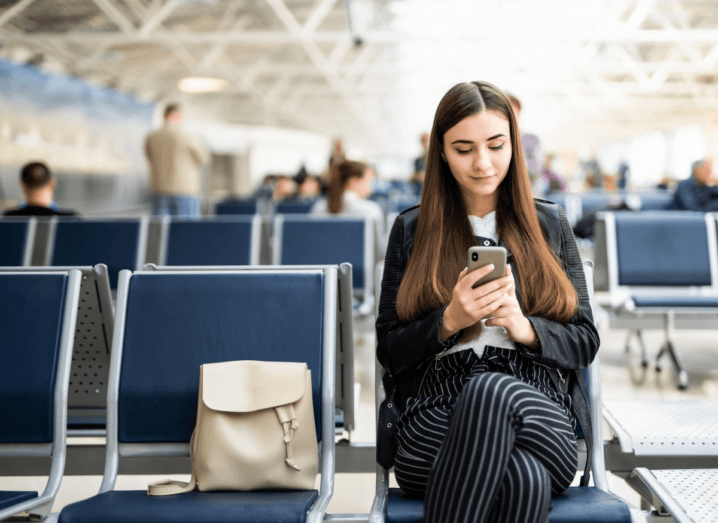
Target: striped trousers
pixel 487 439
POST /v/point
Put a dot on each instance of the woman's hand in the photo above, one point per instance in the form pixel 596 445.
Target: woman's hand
pixel 509 316
pixel 469 305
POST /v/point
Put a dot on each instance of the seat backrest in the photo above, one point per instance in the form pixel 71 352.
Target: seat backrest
pixel 592 202
pixel 655 201
pixel 119 244
pixel 214 241
pixel 16 237
pixel 31 313
pixel 294 207
pixel 173 322
pixel 312 240
pixel 38 311
pixel 248 206
pixel 653 251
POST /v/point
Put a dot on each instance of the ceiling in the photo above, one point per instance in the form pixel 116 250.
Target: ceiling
pixel 373 71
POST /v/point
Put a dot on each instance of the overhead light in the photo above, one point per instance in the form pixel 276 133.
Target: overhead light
pixel 196 84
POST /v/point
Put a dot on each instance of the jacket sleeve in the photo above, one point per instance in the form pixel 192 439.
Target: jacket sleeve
pixel 404 345
pixel 571 345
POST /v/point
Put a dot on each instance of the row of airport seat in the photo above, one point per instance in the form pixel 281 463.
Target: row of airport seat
pixel 169 314
pixel 92 343
pixel 581 204
pixel 176 320
pixel 661 272
pixel 266 206
pixel 227 240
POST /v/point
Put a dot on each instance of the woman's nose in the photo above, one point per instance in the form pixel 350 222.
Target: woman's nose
pixel 482 161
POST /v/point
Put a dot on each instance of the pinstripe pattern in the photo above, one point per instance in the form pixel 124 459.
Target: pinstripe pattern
pixel 487 439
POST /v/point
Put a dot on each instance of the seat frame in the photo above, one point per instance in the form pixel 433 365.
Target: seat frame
pixel 625 313
pixel 42 505
pixel 115 449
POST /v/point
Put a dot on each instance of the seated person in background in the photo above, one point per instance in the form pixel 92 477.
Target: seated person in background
pixel 346 194
pixel 284 189
pixel 309 188
pixel 699 192
pixel 38 186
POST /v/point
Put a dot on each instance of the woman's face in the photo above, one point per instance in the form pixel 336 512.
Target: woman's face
pixel 478 151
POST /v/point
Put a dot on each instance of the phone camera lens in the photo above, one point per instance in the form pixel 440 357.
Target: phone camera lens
pixel 474 256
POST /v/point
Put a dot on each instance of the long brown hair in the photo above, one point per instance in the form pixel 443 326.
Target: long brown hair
pixel 444 233
pixel 340 175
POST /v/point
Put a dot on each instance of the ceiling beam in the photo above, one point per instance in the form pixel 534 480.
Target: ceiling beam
pixel 154 20
pixel 116 16
pixel 14 11
pixel 317 16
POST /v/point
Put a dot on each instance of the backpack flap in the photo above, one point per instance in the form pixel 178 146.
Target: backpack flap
pixel 249 386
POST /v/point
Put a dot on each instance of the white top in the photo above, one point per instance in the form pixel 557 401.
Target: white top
pixel 494 336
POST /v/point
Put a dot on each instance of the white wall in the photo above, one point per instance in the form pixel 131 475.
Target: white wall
pixel 271 150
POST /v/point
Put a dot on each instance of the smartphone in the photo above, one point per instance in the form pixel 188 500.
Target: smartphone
pixel 480 256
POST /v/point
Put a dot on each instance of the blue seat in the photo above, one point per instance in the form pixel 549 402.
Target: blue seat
pixel 246 206
pixel 576 505
pixel 313 240
pixel 345 330
pixel 118 244
pixel 17 236
pixel 179 320
pixel 224 240
pixel 662 269
pixel 593 202
pixel 87 392
pixel 38 312
pixel 294 207
pixel 655 201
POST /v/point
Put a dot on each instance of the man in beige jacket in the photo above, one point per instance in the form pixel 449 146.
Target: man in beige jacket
pixel 175 159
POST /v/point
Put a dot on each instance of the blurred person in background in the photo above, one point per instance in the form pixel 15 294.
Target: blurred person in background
pixel 284 189
pixel 552 181
pixel 38 186
pixel 532 149
pixel 699 192
pixel 309 188
pixel 417 179
pixel 346 195
pixel 175 160
pixel 623 172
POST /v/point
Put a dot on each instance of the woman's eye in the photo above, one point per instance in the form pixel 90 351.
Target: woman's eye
pixel 461 151
pixel 496 148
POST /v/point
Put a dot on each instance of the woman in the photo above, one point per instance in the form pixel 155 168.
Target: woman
pixel 348 189
pixel 488 378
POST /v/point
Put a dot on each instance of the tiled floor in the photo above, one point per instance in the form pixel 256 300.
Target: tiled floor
pixel 354 492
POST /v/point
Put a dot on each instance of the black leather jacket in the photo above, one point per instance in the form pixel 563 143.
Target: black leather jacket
pixel 405 349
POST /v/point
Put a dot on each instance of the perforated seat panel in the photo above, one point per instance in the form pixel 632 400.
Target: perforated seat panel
pixel 695 490
pixel 668 428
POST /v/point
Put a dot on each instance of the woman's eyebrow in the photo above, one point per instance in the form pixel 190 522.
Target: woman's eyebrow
pixel 496 136
pixel 462 141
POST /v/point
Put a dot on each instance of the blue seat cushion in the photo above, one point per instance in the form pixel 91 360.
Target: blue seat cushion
pixel 135 506
pixel 576 505
pixel 676 301
pixel 9 498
